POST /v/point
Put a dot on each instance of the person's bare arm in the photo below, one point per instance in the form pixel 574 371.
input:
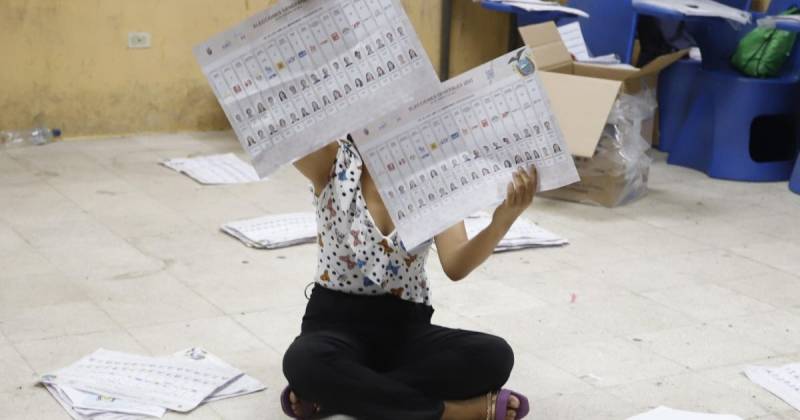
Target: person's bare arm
pixel 460 256
pixel 317 166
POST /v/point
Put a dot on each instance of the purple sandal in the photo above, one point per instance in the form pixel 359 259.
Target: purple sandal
pixel 308 410
pixel 501 404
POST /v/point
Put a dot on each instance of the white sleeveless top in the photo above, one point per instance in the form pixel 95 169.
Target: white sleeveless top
pixel 354 256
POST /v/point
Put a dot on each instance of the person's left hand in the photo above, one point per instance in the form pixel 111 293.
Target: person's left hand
pixel 520 196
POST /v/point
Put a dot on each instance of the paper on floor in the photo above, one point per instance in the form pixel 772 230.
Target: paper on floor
pixel 274 231
pixel 543 6
pixel 118 386
pixel 707 8
pixel 783 381
pixel 665 413
pixel 215 169
pixel 523 233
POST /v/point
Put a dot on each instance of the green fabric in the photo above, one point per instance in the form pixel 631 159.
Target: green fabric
pixel 763 51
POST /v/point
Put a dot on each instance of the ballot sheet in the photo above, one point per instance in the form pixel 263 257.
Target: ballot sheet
pixel 782 381
pixel 179 385
pixel 706 8
pixel 275 230
pixel 297 75
pixel 215 169
pixel 543 6
pixel 441 158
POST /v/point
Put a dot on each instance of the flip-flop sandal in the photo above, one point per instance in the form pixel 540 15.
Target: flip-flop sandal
pixel 501 404
pixel 307 409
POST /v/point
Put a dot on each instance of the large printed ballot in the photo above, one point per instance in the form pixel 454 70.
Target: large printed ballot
pixel 441 158
pixel 304 72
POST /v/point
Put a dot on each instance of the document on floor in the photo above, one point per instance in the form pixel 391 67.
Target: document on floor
pixel 665 413
pixel 275 230
pixel 110 385
pixel 523 234
pixel 439 159
pixel 297 75
pixel 783 381
pixel 543 6
pixel 707 8
pixel 215 169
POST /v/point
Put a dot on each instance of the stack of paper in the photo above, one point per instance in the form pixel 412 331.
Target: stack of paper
pixel 109 385
pixel 707 8
pixel 215 169
pixel 572 35
pixel 543 6
pixel 523 234
pixel 274 231
pixel 782 381
pixel 665 413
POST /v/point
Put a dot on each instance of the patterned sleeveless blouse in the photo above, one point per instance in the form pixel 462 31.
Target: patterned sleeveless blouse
pixel 354 256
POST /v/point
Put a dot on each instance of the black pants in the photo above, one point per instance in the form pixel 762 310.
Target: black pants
pixel 379 358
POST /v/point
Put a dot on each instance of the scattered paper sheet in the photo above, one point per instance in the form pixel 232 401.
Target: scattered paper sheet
pixel 543 6
pixel 439 159
pixel 214 169
pixel 771 21
pixel 274 231
pixel 136 381
pixel 297 75
pixel 665 413
pixel 782 381
pixel 707 8
pixel 522 235
pixel 572 35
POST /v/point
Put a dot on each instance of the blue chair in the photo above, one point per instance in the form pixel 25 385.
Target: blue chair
pixel 677 88
pixel 794 182
pixel 738 128
pixel 610 29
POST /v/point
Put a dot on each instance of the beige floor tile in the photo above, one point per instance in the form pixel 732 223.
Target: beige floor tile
pixel 220 335
pixel 628 314
pixel 780 254
pixel 16 372
pixel 610 362
pixel 708 302
pixel 56 320
pixel 701 347
pixel 21 291
pixel 683 391
pixel 48 355
pixel 147 300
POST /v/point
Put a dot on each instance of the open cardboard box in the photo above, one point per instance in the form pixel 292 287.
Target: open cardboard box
pixel 582 97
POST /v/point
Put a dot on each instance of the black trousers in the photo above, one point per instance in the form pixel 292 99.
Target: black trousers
pixel 379 358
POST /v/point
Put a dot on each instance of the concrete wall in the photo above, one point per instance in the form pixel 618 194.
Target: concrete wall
pixel 69 59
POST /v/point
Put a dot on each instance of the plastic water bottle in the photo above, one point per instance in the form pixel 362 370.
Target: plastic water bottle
pixel 36 136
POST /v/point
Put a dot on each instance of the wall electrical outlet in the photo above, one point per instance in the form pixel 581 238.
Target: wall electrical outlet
pixel 138 40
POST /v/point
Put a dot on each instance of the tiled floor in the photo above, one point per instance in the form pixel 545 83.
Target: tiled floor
pixel 102 247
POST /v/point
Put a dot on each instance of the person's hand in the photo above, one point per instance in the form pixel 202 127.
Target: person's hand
pixel 520 195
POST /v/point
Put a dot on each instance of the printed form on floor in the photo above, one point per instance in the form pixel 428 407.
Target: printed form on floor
pixel 275 230
pixel 214 169
pixel 783 381
pixel 297 75
pixel 441 158
pixel 114 385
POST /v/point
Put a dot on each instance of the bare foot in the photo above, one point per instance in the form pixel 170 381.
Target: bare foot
pixel 475 409
pixel 297 407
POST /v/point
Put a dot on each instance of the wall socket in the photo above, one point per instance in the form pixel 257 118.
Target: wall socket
pixel 138 40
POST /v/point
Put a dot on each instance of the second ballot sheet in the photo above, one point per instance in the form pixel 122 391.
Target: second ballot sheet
pixel 439 159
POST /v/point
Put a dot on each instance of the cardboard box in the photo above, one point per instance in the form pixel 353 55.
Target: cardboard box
pixel 760 5
pixel 582 97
